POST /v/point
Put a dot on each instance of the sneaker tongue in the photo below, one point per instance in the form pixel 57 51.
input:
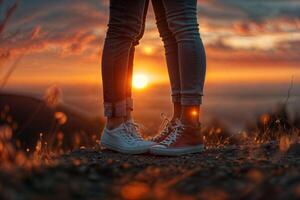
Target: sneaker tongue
pixel 177 121
pixel 133 130
pixel 130 121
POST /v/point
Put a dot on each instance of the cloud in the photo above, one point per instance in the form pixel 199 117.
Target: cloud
pixel 250 17
pixel 228 27
pixel 60 27
pixel 36 33
pixel 254 10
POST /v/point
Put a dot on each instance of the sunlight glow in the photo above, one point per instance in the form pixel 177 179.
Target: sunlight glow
pixel 194 113
pixel 148 50
pixel 140 81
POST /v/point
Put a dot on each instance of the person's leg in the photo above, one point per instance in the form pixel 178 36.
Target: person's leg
pixel 129 100
pixel 186 134
pixel 171 52
pixel 182 21
pixel 125 24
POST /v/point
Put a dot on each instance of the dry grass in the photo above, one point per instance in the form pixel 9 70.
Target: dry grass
pixel 12 152
pixel 275 126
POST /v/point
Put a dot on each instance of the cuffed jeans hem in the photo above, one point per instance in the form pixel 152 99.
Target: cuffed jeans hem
pixel 191 101
pixel 115 110
pixel 129 103
pixel 176 99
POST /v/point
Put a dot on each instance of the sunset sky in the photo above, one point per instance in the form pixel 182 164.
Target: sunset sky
pixel 61 41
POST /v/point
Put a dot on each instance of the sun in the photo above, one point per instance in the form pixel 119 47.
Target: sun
pixel 140 81
pixel 148 50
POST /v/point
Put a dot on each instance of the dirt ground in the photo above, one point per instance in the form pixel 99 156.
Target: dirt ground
pixel 231 172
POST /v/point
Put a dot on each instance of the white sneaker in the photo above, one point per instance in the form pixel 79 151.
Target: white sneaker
pixel 125 139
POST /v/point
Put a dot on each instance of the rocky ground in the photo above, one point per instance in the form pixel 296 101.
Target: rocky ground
pixel 232 172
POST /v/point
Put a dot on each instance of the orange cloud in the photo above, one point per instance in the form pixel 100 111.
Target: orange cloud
pixel 36 32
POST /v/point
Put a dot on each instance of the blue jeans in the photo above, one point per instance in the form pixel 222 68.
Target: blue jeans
pixel 185 54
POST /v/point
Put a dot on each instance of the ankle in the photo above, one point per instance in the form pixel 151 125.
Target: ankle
pixel 128 116
pixel 174 119
pixel 176 111
pixel 190 115
pixel 114 122
pixel 189 122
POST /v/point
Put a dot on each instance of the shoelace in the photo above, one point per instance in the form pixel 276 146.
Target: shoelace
pixel 133 129
pixel 164 127
pixel 126 134
pixel 176 133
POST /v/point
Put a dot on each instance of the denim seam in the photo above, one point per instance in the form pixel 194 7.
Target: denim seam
pixel 129 103
pixel 113 77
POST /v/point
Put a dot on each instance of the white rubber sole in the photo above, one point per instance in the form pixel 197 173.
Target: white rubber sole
pixel 134 150
pixel 176 151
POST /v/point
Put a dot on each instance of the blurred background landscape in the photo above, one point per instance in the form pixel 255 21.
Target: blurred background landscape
pixel 253 50
pixel 236 105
